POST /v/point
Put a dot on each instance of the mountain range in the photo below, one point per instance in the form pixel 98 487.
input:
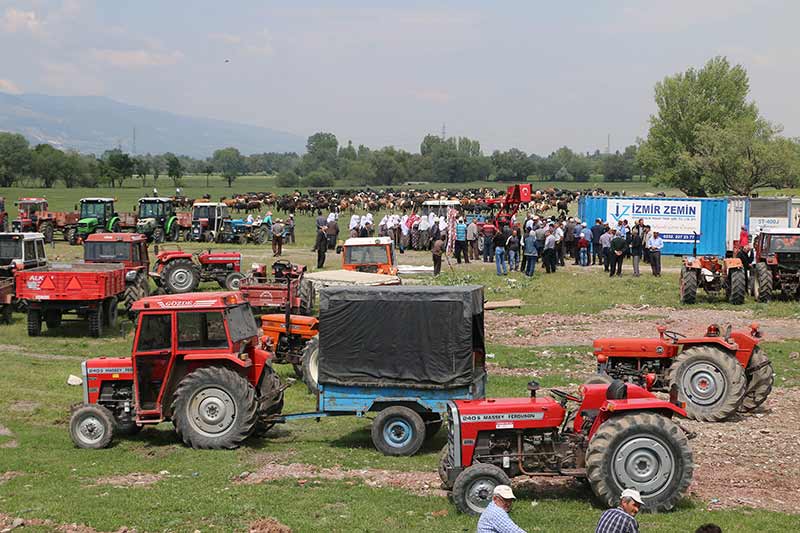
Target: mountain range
pixel 93 124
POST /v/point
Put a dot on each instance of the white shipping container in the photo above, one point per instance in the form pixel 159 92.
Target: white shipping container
pixel 737 217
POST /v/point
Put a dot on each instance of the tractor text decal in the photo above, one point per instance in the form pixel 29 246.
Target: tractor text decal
pixel 505 416
pixel 675 220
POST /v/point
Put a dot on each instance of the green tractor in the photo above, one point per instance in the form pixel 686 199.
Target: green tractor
pixel 158 220
pixel 97 215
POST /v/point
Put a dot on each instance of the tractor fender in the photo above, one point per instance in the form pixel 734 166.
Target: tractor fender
pixel 218 357
pixel 110 225
pixel 170 222
pixel 614 408
pixel 732 263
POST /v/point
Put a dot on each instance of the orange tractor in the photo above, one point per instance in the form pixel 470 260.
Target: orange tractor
pixel 713 275
pixel 288 335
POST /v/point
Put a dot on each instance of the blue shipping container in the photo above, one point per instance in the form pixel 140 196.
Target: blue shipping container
pixel 677 219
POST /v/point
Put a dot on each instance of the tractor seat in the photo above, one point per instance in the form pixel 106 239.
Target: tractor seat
pixel 617 390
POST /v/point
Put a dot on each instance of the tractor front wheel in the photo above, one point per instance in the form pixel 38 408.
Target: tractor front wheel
pixel 233 281
pixel 688 286
pixel 444 465
pixel 398 431
pixel 643 451
pixel 158 235
pixel 311 365
pixel 474 487
pixel 306 294
pixel 737 287
pixel 214 408
pixel 711 382
pixel 91 426
pixel 180 276
pixel 762 283
pixel 761 377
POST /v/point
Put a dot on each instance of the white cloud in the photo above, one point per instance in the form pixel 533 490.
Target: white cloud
pixel 8 86
pixel 436 96
pixel 136 58
pixel 225 38
pixel 14 20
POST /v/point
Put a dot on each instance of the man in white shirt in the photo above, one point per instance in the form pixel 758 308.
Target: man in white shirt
pixel 655 244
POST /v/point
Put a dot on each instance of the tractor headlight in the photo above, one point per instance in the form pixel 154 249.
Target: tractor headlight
pixel 130 276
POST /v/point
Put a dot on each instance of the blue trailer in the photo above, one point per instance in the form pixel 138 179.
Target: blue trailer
pixel 399 353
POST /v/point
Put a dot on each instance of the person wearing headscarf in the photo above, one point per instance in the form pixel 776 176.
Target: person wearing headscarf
pixel 355 225
pixel 424 233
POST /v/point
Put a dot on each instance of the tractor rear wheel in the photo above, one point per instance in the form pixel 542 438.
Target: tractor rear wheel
pixel 96 321
pixel 761 377
pixel 262 235
pixel 398 431
pixel 214 408
pixel 34 322
pixel 311 365
pixel 110 312
pixel 46 229
pixel 71 236
pixel 474 487
pixel 233 281
pixel 180 276
pixel 599 379
pixel 91 426
pixel 711 382
pixel 52 318
pixel 762 283
pixel 643 451
pixel 737 287
pixel 270 401
pixel 172 234
pixel 158 235
pixel 688 286
pixel 135 290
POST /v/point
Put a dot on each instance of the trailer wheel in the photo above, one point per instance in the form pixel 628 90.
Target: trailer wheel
pixel 762 283
pixel 738 287
pixel 444 465
pixel 110 312
pixel 474 487
pixel 711 382
pixel 34 322
pixel 6 315
pixel 398 431
pixel 233 281
pixel 46 229
pixel 214 408
pixel 96 321
pixel 643 451
pixel 91 427
pixel 311 365
pixel 180 276
pixel 52 318
pixel 760 380
pixel 688 286
pixel 158 235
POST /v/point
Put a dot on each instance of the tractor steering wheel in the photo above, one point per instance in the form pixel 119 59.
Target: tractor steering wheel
pixel 674 335
pixel 563 397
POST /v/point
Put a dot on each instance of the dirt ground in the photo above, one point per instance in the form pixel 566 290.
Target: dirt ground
pixel 623 321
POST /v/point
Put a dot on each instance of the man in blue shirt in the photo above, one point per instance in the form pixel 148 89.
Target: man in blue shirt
pixel 655 244
pixel 494 518
pixel 461 241
pixel 622 519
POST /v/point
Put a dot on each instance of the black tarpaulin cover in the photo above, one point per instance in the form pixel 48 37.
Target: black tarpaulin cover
pixel 402 336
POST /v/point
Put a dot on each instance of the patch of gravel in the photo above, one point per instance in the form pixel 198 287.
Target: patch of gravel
pixel 623 321
pixel 6 476
pixel 9 523
pixel 269 525
pixel 421 483
pixel 135 479
pixel 24 406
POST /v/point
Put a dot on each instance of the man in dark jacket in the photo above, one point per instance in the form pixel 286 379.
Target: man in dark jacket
pixel 321 245
pixel 597 230
pixel 617 253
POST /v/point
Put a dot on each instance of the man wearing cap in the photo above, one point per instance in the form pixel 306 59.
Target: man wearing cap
pixel 494 518
pixel 622 519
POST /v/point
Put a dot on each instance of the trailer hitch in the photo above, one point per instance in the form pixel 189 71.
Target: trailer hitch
pixel 689 434
pixel 750 371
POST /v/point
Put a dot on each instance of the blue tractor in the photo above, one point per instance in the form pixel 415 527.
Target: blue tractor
pixel 240 231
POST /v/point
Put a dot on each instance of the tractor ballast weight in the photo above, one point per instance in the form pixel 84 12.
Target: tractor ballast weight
pixel 197 362
pixel 614 436
pixel 716 375
pixel 777 264
pixel 179 272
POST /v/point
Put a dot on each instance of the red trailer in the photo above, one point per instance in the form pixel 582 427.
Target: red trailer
pixel 286 284
pixel 91 291
pixel 33 215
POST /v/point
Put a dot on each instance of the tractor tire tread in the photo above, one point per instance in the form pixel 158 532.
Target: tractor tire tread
pixel 761 381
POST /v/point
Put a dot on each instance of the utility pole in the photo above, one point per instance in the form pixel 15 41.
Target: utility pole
pixel 444 131
pixel 134 140
pixel 608 145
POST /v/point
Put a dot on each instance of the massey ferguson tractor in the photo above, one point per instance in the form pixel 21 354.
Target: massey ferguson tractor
pixel 716 375
pixel 777 264
pixel 177 272
pixel 615 436
pixel 196 361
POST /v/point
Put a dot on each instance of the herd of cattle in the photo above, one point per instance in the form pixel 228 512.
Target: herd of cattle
pixel 341 201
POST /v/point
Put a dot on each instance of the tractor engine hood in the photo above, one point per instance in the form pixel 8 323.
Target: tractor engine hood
pixel 88 221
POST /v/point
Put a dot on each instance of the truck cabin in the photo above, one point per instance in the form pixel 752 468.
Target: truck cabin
pixel 101 209
pixel 21 251
pixel 370 254
pixel 130 249
pixel 159 208
pixel 188 330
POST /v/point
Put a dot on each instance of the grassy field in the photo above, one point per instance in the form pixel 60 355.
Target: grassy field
pixel 42 476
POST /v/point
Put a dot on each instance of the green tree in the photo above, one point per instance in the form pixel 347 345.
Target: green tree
pixel 174 169
pixel 387 167
pixel 348 153
pixel 744 155
pixel 715 96
pixel 208 169
pixel 288 178
pixel 157 164
pixel 48 164
pixel 322 150
pixel 361 172
pixel 15 158
pixel 230 163
pixel 118 166
pixel 321 177
pixel 141 166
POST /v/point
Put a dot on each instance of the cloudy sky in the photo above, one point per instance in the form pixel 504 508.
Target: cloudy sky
pixel 533 75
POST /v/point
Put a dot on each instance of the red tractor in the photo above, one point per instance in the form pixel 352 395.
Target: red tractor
pixel 129 249
pixel 34 215
pixel 716 375
pixel 714 276
pixel 777 264
pixel 178 272
pixel 197 362
pixel 614 436
pixel 285 284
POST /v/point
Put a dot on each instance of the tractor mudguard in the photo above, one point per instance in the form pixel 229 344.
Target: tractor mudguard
pixel 623 407
pixel 110 225
pixel 171 221
pixel 732 263
pixel 217 357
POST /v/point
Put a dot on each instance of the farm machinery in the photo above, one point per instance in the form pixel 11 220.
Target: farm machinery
pixel 128 249
pixel 370 254
pixel 18 251
pixel 159 221
pixel 285 288
pixel 33 216
pixel 196 361
pixel 777 264
pixel 207 221
pixel 239 231
pixel 716 375
pixel 97 215
pixel 614 436
pixel 177 272
pixel 713 275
